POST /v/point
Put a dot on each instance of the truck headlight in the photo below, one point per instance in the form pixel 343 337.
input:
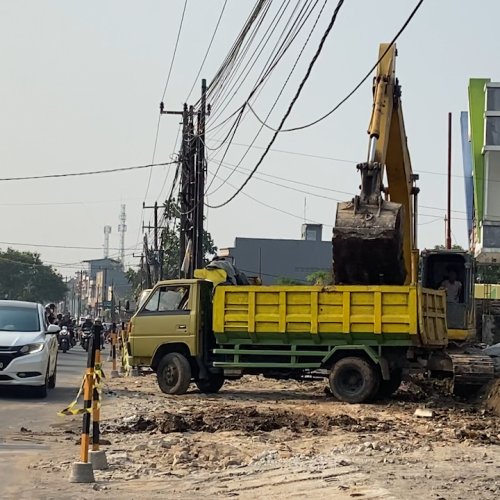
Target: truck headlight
pixel 31 348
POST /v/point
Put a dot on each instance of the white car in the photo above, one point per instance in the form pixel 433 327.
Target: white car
pixel 28 347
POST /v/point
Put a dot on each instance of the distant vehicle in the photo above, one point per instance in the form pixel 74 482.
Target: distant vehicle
pixel 28 347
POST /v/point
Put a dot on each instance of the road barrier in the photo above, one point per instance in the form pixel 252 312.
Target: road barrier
pixel 83 471
pixel 114 341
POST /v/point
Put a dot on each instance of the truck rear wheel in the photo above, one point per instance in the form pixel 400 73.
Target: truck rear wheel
pixel 354 380
pixel 174 374
pixel 212 384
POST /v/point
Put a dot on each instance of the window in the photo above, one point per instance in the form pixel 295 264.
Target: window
pixel 168 298
pixel 492 98
pixel 19 319
pixel 492 130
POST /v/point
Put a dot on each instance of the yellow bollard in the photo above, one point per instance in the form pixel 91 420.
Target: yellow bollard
pixel 97 456
pixel 82 471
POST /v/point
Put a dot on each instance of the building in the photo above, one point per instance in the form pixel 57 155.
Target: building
pixel 94 290
pixel 480 129
pixel 277 259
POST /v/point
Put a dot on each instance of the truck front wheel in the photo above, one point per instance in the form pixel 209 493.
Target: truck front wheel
pixel 212 384
pixel 174 374
pixel 354 380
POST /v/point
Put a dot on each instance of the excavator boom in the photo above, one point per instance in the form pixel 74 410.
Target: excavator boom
pixel 374 233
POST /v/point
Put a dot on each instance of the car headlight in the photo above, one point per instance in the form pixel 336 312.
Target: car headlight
pixel 31 348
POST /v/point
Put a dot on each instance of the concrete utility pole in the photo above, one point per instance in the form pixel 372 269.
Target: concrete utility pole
pixel 199 205
pixel 448 211
pixel 122 229
pixel 192 185
pixel 157 257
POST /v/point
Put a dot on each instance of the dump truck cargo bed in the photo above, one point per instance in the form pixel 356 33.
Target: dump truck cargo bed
pixel 375 315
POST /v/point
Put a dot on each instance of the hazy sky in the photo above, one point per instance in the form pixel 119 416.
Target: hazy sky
pixel 80 84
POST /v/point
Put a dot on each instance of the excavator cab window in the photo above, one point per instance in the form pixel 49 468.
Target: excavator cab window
pixel 452 272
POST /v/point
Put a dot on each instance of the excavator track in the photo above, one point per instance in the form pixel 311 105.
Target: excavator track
pixel 471 372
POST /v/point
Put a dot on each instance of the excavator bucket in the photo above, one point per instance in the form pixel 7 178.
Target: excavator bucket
pixel 368 244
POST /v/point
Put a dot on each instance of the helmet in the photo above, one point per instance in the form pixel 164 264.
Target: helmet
pixel 88 317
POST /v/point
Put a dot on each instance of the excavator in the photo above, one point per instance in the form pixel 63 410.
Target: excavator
pixel 375 233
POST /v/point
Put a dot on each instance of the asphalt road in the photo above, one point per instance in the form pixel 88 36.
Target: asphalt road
pixel 19 409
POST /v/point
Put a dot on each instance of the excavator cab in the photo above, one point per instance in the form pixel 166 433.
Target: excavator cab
pixel 452 271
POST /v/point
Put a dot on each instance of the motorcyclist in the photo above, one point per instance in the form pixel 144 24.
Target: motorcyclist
pixel 99 329
pixel 49 313
pixel 66 321
pixel 87 325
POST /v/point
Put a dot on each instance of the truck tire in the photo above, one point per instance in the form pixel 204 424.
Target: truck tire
pixel 211 385
pixel 174 374
pixel 389 387
pixel 354 380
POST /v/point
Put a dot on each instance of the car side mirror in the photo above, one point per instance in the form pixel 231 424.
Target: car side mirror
pixel 53 329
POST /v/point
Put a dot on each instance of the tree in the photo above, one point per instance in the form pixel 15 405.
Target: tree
pixel 23 276
pixel 453 247
pixel 171 243
pixel 322 278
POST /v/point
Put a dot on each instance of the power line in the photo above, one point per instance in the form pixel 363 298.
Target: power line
pixel 316 195
pixel 159 115
pixel 207 51
pixel 353 91
pixel 78 174
pixel 175 50
pixel 297 59
pixel 292 104
pixel 52 246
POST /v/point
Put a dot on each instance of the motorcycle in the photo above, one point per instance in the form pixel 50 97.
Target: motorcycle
pixel 64 342
pixel 85 338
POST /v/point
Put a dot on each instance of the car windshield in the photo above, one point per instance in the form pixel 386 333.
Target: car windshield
pixel 19 319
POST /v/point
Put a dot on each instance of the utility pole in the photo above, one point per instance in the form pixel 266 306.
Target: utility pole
pixel 157 260
pixel 200 181
pixel 448 227
pixel 80 288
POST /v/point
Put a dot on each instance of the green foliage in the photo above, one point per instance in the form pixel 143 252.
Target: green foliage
pixel 134 278
pixel 23 276
pixel 488 273
pixel 322 278
pixel 283 280
pixel 171 244
pixel 453 247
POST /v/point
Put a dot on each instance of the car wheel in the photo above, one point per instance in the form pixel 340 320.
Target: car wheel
pixel 52 378
pixel 41 390
pixel 174 374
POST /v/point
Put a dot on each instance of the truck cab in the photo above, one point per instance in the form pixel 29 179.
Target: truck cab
pixel 171 333
pixel 436 267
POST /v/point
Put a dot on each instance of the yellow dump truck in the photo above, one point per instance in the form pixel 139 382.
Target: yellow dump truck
pixel 361 338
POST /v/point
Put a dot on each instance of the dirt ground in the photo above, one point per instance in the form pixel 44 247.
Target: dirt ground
pixel 260 438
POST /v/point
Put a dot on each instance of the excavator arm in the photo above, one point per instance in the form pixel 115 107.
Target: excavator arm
pixel 374 239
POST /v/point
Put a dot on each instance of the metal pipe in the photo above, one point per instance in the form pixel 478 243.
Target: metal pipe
pixel 372 147
pixel 448 227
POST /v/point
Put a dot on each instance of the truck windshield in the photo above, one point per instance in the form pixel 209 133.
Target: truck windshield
pixel 19 319
pixel 168 298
